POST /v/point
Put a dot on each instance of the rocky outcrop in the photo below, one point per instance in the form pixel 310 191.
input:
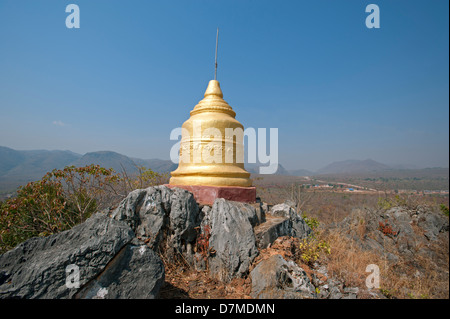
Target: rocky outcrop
pixel 297 225
pixel 413 241
pixel 276 278
pixel 117 253
pixel 281 220
pixel 273 228
pixel 169 221
pixel 232 239
pixel 37 268
pixel 135 273
pixel 165 219
pixel 396 233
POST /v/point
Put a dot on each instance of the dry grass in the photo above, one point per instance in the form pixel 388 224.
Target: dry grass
pixel 187 283
pixel 419 277
pixel 422 278
pixel 347 261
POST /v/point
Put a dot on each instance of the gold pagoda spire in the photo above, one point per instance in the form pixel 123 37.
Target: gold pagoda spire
pixel 212 143
pixel 215 64
pixel 206 145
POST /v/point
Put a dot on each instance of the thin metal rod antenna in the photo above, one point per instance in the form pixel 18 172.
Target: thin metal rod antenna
pixel 217 44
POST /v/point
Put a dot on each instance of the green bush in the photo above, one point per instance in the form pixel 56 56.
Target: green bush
pixel 311 249
pixel 65 198
pixel 312 222
pixel 444 209
pixel 60 200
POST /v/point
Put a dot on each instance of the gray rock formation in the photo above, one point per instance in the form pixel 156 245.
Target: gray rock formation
pixel 281 220
pixel 299 227
pixel 146 212
pixel 135 273
pixel 273 228
pixel 117 253
pixel 395 232
pixel 163 218
pixel 232 239
pixel 184 217
pixel 37 267
pixel 276 278
pixel 110 257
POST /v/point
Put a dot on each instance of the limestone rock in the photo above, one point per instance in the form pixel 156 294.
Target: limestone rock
pixel 298 226
pixel 157 213
pixel 135 273
pixel 146 212
pixel 432 224
pixel 184 217
pixel 36 268
pixel 273 228
pixel 232 239
pixel 276 278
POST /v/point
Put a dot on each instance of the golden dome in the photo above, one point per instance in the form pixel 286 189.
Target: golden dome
pixel 211 148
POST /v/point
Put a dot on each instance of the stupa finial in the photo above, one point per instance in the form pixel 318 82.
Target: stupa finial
pixel 217 44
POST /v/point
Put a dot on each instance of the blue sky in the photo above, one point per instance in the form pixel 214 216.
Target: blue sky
pixel 335 89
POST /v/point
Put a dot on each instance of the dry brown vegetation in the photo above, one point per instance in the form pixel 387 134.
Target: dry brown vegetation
pixel 423 278
pixel 182 282
pixel 347 261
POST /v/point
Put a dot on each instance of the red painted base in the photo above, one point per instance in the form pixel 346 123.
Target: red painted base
pixel 207 194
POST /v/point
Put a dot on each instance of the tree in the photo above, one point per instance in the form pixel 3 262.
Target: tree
pixel 59 201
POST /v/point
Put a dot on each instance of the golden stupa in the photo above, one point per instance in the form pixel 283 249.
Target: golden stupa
pixel 211 146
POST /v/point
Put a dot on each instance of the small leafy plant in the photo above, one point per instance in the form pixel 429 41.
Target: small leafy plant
pixel 57 202
pixel 386 229
pixel 312 222
pixel 311 249
pixel 64 198
pixel 444 209
pixel 202 243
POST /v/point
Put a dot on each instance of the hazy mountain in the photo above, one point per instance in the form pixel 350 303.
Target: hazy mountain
pixel 9 159
pixel 353 166
pixel 254 168
pixel 157 165
pixel 118 162
pixel 405 166
pixel 107 159
pixel 33 163
pixel 20 167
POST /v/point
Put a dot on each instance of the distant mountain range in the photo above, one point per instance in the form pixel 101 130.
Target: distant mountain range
pixel 20 167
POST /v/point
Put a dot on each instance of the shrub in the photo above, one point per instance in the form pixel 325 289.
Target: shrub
pixel 312 222
pixel 384 203
pixel 64 198
pixel 386 229
pixel 444 209
pixel 145 177
pixel 311 249
pixel 60 200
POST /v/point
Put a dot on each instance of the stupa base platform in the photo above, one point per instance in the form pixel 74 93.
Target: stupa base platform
pixel 206 195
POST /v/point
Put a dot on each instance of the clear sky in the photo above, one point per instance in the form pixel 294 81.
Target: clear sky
pixel 335 89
